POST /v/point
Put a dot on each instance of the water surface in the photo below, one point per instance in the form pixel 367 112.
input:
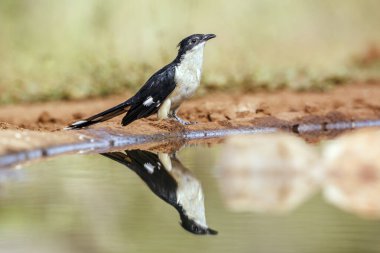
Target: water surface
pixel 90 203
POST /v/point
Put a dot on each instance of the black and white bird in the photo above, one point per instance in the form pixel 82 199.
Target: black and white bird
pixel 166 176
pixel 164 92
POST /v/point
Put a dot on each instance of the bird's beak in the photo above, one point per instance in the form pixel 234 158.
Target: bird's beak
pixel 207 37
pixel 212 231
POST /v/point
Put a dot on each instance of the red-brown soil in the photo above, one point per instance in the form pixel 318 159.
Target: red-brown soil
pixel 213 111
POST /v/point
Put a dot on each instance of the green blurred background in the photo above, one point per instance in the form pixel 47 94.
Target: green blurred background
pixel 72 49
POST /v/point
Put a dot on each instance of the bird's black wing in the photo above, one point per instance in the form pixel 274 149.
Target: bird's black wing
pixel 150 97
pixel 149 168
pixel 146 101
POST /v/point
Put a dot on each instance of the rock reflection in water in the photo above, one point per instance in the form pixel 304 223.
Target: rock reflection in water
pixel 166 176
pixel 277 172
pixel 352 168
pixel 267 173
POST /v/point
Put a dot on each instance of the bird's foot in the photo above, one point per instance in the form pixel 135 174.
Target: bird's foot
pixel 182 121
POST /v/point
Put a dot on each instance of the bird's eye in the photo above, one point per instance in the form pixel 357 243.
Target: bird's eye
pixel 193 40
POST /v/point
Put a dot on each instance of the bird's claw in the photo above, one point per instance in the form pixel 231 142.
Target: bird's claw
pixel 182 121
pixel 187 123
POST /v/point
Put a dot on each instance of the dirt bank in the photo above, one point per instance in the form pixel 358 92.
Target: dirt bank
pixel 215 111
pixel 357 101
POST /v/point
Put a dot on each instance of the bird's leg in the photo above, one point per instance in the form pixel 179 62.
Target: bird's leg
pixel 177 118
pixel 173 114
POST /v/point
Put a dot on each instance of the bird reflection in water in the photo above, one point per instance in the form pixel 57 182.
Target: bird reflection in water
pixel 166 176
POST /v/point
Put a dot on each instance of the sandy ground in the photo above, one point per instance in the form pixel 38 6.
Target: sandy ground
pixel 215 111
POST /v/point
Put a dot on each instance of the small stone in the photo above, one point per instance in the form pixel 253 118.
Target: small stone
pixel 46 118
pixel 214 116
pixel 78 115
pixel 309 108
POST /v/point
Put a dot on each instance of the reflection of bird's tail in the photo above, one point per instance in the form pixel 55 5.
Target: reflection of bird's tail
pixel 100 117
pixel 143 163
pixel 118 157
pixel 133 158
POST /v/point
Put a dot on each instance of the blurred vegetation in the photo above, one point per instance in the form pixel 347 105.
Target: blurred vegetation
pixel 75 49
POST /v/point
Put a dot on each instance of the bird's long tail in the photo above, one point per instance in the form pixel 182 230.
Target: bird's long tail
pixel 100 117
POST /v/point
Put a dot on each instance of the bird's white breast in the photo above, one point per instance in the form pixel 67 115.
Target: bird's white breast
pixel 188 75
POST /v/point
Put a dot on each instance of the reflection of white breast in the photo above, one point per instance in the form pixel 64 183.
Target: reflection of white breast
pixel 190 196
pixel 189 193
pixel 187 75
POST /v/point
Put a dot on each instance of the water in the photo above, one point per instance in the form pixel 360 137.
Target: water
pixel 90 203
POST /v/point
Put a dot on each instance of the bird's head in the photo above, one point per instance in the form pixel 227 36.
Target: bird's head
pixel 193 42
pixel 194 227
